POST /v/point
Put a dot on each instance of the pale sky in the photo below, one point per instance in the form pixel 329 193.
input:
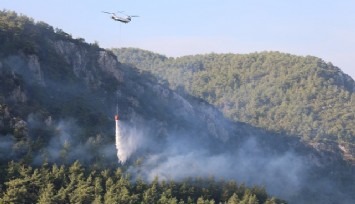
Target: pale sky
pixel 321 28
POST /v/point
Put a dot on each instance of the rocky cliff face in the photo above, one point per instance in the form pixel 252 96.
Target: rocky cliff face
pixel 35 69
pixel 88 64
pixel 99 71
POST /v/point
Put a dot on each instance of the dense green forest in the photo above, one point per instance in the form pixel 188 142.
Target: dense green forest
pixel 48 112
pixel 301 96
pixel 22 33
pixel 59 95
pixel 77 184
pixel 35 100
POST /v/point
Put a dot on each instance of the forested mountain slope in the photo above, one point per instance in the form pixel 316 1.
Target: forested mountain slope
pixel 52 85
pixel 58 96
pixel 301 96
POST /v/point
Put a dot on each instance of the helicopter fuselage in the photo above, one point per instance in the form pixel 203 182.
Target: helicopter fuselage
pixel 121 19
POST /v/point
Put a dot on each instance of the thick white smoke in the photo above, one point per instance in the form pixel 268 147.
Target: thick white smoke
pixel 249 164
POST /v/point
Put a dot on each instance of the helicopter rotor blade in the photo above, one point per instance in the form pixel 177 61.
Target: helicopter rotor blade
pixel 134 16
pixel 107 12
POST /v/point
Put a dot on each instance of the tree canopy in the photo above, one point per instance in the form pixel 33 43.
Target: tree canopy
pixel 299 95
pixel 77 184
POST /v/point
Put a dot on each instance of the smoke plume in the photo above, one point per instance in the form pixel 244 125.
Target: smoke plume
pixel 128 140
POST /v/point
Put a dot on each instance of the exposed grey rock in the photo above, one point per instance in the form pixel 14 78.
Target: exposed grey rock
pixel 18 95
pixel 109 64
pixel 84 66
pixel 73 55
pixel 35 68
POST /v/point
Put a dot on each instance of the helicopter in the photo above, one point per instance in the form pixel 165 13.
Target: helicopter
pixel 123 19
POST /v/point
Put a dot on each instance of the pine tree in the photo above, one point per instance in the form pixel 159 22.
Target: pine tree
pixel 111 192
pixel 233 199
pixel 46 195
pixel 200 200
pixel 58 176
pixel 151 195
pixel 16 191
pixel 62 196
pixel 249 198
pixel 98 190
pixel 270 201
pixel 83 192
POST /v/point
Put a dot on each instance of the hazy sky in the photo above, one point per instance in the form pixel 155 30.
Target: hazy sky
pixel 322 28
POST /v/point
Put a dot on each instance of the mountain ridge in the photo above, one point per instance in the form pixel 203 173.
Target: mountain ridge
pixel 265 88
pixel 59 95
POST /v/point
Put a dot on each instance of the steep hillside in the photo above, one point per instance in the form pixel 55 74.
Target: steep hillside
pixel 58 96
pixel 64 87
pixel 301 96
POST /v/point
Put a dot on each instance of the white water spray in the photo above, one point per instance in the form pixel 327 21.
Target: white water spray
pixel 122 157
pixel 128 140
